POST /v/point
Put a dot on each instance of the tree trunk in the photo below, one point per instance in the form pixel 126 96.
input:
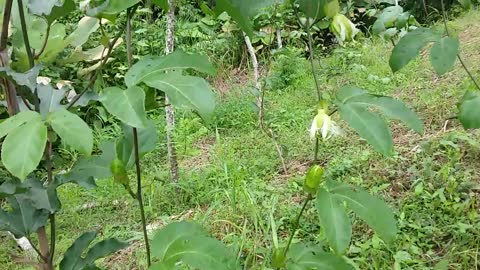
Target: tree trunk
pixel 169 110
pixel 256 74
pixel 279 39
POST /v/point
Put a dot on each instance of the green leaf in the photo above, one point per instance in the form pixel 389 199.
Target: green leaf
pixel 185 92
pixel 11 187
pixel 28 79
pixel 372 210
pixel 72 130
pixel 157 65
pixel 347 92
pixel 50 98
pixel 42 197
pixel 17 120
pixel 73 255
pixel 314 9
pixel 86 26
pixel 334 220
pixel 187 242
pixel 389 15
pixel 443 54
pixel 87 169
pixel 240 11
pixel 163 4
pixel 392 108
pixel 59 11
pixel 303 257
pixel 73 259
pixel 470 110
pixel 127 105
pixel 23 148
pixel 410 46
pixel 369 126
pixel 42 7
pixel 23 219
pixel 115 6
pixel 147 140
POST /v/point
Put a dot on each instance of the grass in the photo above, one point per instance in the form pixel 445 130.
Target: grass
pixel 231 178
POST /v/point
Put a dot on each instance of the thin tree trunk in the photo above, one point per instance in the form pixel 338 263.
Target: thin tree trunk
pixel 279 38
pixel 169 110
pixel 256 73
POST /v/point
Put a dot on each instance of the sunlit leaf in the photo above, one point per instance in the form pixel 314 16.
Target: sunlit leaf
pixel 127 105
pixel 50 98
pixel 72 130
pixel 157 65
pixel 17 120
pixel 23 148
pixel 188 243
pixel 186 92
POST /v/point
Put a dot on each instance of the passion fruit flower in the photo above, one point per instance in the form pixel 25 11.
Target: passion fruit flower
pixel 343 28
pixel 324 125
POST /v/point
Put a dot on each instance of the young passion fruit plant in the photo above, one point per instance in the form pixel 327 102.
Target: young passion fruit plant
pixel 42 115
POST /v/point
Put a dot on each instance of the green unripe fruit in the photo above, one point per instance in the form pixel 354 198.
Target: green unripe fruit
pixel 119 172
pixel 313 179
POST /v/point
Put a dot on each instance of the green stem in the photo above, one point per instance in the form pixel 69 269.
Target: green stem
pixel 312 59
pixel 130 13
pixel 296 225
pixel 445 19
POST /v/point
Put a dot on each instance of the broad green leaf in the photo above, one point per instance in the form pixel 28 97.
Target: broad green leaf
pixel 86 26
pixel 87 169
pixel 410 46
pixel 392 108
pixel 59 11
pixel 369 126
pixel 73 259
pixel 185 92
pixel 157 65
pixel 302 257
pixel 372 210
pixel 334 221
pixel 347 92
pixel 147 139
pixel 42 7
pixel 28 79
pixel 42 197
pixel 469 114
pixel 443 54
pixel 314 9
pixel 127 105
pixel 11 187
pixel 23 148
pixel 187 242
pixel 72 130
pixel 115 6
pixel 73 255
pixel 17 120
pixel 50 98
pixel 23 219
pixel 240 12
pixel 389 15
pixel 163 4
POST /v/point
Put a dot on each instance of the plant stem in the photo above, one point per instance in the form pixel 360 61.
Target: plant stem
pixel 139 197
pixel 444 15
pixel 48 158
pixel 47 35
pixel 312 59
pixel 21 13
pixel 296 224
pixel 135 143
pixel 10 91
